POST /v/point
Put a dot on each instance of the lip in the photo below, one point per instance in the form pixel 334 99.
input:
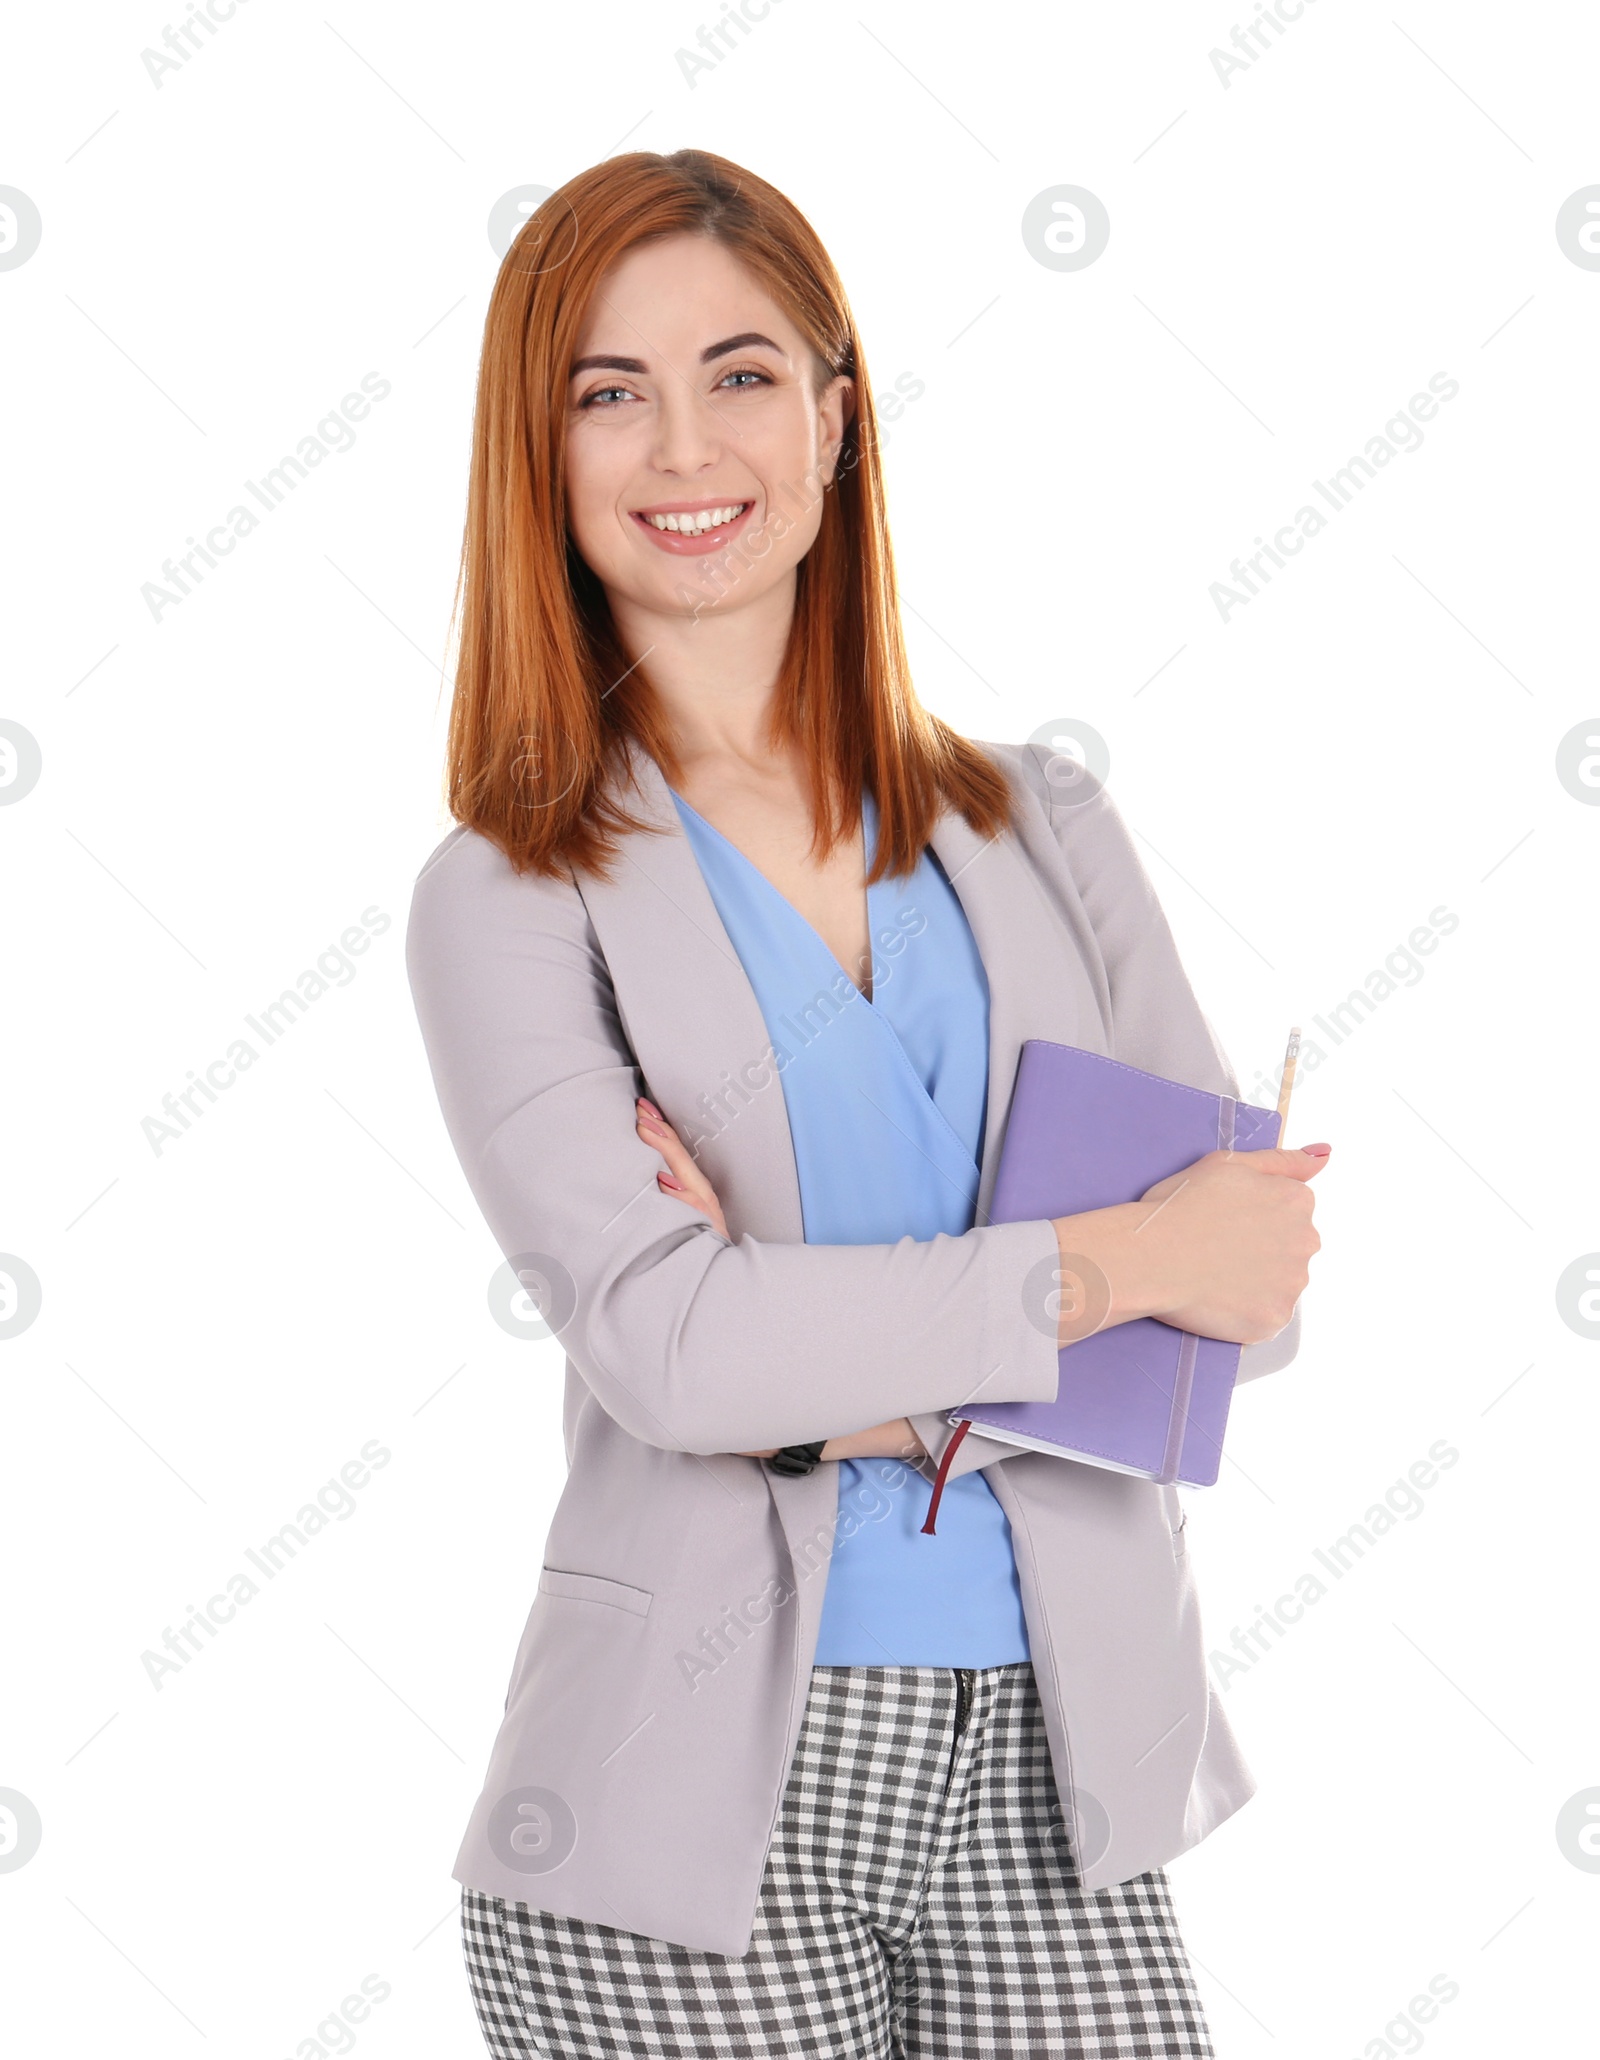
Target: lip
pixel 675 544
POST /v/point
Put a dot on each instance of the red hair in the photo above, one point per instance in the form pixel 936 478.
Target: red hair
pixel 541 703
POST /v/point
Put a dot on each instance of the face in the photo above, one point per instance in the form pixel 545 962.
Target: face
pixel 698 442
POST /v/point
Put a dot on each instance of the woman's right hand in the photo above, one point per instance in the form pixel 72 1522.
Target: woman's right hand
pixel 1221 1249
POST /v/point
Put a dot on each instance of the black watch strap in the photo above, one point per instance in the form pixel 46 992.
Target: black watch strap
pixel 797 1459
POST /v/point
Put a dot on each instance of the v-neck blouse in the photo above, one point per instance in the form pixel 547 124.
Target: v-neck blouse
pixel 885 1100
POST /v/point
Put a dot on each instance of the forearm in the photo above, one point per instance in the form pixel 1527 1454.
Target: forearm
pixel 1100 1243
pixel 693 1343
pixel 897 1439
pixel 1110 1271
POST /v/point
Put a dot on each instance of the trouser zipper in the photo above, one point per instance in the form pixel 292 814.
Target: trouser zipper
pixel 963 1710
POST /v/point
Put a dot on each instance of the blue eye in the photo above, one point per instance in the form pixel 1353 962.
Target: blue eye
pixel 612 396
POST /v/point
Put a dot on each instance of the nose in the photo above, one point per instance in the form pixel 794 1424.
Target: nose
pixel 690 434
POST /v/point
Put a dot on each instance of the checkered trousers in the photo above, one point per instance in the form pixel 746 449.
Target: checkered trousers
pixel 919 1902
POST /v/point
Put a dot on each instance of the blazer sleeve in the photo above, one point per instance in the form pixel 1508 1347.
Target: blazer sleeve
pixel 690 1341
pixel 1156 1021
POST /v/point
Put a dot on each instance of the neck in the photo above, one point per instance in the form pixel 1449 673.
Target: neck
pixel 715 673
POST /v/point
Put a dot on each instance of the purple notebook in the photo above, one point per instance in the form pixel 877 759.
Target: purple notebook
pixel 1087 1132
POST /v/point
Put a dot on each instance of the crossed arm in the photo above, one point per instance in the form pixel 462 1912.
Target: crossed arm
pixel 685 1179
pixel 1229 1260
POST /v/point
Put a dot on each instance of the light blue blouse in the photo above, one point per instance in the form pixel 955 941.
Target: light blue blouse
pixel 885 1100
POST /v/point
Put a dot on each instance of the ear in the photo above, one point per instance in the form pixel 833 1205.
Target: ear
pixel 836 406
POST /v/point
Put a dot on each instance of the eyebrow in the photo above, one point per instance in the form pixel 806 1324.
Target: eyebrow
pixel 637 366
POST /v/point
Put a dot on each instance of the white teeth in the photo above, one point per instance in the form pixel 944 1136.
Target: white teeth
pixel 698 524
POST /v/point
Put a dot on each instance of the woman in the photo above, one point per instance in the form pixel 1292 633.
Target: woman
pixel 788 1767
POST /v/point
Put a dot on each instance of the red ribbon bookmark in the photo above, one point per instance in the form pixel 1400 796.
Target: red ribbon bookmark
pixel 944 1467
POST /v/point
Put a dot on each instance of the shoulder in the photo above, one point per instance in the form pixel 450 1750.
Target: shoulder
pixel 1073 835
pixel 1042 779
pixel 467 864
pixel 1053 793
pixel 469 895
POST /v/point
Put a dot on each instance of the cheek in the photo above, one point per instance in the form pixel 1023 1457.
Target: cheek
pixel 793 524
pixel 784 451
pixel 595 480
pixel 787 441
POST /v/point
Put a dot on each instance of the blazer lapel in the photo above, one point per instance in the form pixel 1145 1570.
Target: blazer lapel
pixel 692 1018
pixel 695 1026
pixel 1037 983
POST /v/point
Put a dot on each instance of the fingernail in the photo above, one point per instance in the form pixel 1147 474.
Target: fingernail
pixel 667 1180
pixel 1317 1151
pixel 645 1103
pixel 652 1127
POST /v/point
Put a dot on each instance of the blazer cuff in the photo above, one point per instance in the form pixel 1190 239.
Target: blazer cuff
pixel 1019 1361
pixel 1266 1357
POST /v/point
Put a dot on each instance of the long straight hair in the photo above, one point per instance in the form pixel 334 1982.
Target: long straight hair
pixel 545 696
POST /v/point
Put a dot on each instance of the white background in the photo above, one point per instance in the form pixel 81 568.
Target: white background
pixel 224 791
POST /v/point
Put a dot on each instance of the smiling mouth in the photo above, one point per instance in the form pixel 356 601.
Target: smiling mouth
pixel 693 521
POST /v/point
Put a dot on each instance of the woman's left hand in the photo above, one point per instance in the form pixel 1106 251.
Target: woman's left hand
pixel 683 1179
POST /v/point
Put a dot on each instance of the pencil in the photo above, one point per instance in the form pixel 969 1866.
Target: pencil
pixel 1286 1086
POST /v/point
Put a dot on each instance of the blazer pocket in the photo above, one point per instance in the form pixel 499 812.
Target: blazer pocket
pixel 595 1588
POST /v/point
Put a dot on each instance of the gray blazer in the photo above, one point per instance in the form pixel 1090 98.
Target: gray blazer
pixel 658 1690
